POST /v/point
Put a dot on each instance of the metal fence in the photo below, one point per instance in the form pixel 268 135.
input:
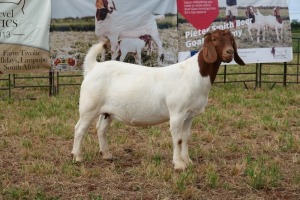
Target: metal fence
pixel 256 75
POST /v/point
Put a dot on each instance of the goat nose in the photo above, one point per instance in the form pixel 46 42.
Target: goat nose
pixel 229 51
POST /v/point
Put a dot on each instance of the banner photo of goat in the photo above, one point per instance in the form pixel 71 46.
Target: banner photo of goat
pixel 24 36
pixel 141 32
pixel 261 28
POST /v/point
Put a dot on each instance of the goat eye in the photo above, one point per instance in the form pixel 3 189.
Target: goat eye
pixel 214 39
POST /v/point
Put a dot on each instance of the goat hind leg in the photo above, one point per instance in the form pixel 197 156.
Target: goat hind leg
pixel 176 127
pixel 138 57
pixel 80 128
pixel 102 126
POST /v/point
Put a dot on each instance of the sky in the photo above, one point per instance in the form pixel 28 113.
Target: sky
pixel 83 8
pixel 294 9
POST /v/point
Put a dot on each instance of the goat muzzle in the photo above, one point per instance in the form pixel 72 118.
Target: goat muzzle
pixel 228 55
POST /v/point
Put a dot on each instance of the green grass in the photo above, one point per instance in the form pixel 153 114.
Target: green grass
pixel 262 173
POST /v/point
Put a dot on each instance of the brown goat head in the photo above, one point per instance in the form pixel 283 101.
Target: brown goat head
pixel 220 46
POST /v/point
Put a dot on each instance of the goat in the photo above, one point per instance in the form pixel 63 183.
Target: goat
pixel 273 23
pixel 111 25
pixel 134 45
pixel 258 22
pixel 143 96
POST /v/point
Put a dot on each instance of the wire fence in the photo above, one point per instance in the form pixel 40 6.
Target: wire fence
pixel 255 75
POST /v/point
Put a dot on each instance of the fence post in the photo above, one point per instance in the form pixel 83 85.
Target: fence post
pixel 260 69
pixel 9 87
pixel 257 80
pixel 225 72
pixel 51 89
pixel 284 73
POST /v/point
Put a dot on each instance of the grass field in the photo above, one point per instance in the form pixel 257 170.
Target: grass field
pixel 245 146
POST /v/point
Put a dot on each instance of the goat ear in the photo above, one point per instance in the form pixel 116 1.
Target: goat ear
pixel 237 58
pixel 209 51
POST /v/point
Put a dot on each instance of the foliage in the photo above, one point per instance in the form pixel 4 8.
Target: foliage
pixel 295 24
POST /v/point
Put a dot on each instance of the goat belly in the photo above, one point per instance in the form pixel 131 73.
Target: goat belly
pixel 136 112
pixel 140 120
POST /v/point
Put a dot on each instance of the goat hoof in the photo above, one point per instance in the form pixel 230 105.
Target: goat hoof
pixel 188 161
pixel 179 165
pixel 107 156
pixel 77 159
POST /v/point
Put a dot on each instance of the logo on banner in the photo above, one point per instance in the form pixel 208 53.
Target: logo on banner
pixel 283 54
pixel 64 63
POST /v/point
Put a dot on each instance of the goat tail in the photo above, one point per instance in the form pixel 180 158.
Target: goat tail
pixel 90 58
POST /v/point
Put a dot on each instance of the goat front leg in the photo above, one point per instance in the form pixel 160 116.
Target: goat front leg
pixel 264 33
pixel 103 55
pixel 176 127
pixel 276 31
pixel 102 126
pixel 123 55
pixel 281 33
pixel 249 31
pixel 185 137
pixel 257 35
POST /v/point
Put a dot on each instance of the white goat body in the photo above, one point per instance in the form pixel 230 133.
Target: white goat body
pixel 142 96
pixel 272 23
pixel 258 23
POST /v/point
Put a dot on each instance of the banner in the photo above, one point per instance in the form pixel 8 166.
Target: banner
pixel 261 27
pixel 160 33
pixel 24 36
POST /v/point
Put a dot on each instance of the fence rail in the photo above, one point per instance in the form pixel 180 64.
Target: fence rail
pixel 257 74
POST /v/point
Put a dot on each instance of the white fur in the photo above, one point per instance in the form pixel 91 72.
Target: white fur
pixel 141 96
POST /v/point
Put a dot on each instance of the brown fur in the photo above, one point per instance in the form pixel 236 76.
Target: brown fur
pixel 219 46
